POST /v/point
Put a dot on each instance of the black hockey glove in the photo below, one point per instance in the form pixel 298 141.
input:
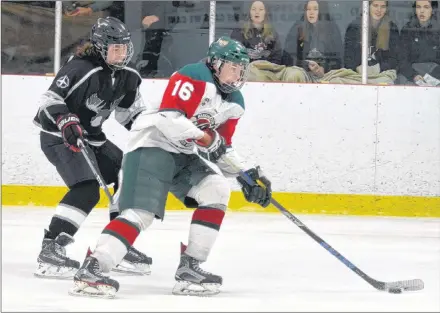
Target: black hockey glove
pixel 256 193
pixel 215 150
pixel 71 130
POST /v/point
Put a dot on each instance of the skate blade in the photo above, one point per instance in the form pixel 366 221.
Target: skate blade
pixel 83 289
pixel 54 276
pixel 50 271
pixel 186 288
pixel 135 269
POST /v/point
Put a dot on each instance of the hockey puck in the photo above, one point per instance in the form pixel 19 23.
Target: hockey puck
pixel 395 290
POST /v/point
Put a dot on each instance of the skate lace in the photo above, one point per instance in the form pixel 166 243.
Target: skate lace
pixel 60 244
pixel 196 266
pixel 57 249
pixel 137 253
pixel 97 270
pixel 60 250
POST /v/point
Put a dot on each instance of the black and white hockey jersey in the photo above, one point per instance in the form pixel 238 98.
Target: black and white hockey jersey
pixel 91 90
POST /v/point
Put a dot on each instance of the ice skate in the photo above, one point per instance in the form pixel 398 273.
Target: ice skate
pixel 193 281
pixel 134 263
pixel 90 282
pixel 52 261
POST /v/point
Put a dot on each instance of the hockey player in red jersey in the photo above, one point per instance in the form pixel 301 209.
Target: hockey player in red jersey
pixel 168 146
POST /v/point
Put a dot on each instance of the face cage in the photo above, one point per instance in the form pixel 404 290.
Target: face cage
pixel 124 62
pixel 231 87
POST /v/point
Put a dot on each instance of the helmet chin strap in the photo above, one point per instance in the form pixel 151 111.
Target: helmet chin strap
pixel 216 67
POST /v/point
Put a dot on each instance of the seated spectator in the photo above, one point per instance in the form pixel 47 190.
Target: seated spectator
pixel 259 36
pixel 314 42
pixel 383 42
pixel 420 52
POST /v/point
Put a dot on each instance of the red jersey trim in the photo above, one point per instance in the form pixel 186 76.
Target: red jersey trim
pixel 227 130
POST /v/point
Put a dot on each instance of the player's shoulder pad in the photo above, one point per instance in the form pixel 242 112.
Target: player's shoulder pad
pixel 131 76
pixel 237 97
pixel 131 68
pixel 72 74
pixel 197 71
pixel 78 66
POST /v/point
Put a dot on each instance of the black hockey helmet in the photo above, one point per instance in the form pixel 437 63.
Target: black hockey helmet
pixel 112 40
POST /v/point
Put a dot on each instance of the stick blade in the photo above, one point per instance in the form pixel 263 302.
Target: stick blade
pixel 404 285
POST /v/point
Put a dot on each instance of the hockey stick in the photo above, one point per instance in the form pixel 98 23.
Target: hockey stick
pixel 391 287
pixel 95 171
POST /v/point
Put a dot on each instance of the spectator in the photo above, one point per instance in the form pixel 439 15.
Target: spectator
pixel 259 36
pixel 314 42
pixel 117 9
pixel 420 40
pixel 153 25
pixel 151 11
pixel 78 8
pixel 383 41
pixel 78 18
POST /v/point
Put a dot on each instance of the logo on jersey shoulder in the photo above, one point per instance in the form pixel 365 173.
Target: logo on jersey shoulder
pixel 63 82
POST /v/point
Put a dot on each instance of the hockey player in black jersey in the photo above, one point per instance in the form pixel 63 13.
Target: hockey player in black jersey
pixel 91 85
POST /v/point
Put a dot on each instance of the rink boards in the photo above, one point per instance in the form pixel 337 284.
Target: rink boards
pixel 304 203
pixel 328 149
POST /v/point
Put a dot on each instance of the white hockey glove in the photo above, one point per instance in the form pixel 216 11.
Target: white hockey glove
pixel 213 151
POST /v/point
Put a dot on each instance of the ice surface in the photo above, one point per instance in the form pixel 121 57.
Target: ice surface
pixel 267 263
